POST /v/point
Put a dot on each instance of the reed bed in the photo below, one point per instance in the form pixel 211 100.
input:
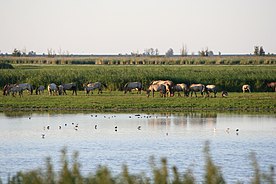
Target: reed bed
pixel 70 173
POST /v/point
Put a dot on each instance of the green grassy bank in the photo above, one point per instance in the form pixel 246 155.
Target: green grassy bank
pixel 116 101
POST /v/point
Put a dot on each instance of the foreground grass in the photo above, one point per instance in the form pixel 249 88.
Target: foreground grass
pixel 160 175
pixel 116 101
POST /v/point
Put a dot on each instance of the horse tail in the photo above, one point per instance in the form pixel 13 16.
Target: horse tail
pixel 125 86
pixel 104 85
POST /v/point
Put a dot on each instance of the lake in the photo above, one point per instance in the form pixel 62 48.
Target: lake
pixel 131 139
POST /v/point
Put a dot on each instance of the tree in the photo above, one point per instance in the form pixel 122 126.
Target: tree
pixel 262 52
pixel 16 53
pixel 259 51
pixel 169 52
pixel 184 50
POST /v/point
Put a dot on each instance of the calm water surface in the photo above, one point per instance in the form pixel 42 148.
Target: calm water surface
pixel 178 137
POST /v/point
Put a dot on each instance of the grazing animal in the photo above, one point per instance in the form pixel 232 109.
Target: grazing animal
pixel 60 90
pixel 39 90
pixel 6 89
pixel 169 85
pixel 157 87
pixel 210 89
pixel 16 89
pixel 224 93
pixel 196 88
pixel 181 87
pixel 272 85
pixel 245 88
pixel 133 85
pixel 26 86
pixel 69 86
pixel 92 86
pixel 52 89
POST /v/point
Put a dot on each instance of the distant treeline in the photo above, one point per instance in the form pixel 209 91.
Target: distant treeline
pixel 229 78
pixel 143 60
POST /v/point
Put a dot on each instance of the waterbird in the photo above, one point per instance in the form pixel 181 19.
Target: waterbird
pixel 59 127
pixel 30 117
pixel 227 130
pixel 65 124
pixel 116 128
pixel 48 127
pixel 43 136
pixel 139 128
pixel 96 126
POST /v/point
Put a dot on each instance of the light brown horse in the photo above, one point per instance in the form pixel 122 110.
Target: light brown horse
pixel 245 88
pixel 157 87
pixel 272 85
pixel 168 84
pixel 181 87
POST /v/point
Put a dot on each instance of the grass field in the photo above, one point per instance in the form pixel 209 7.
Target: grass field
pixel 116 101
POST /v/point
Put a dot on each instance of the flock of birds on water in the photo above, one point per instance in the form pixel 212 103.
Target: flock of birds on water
pixel 76 126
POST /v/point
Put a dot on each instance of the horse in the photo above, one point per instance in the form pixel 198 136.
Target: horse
pixel 168 84
pixel 245 88
pixel 16 89
pixel 26 86
pixel 196 88
pixel 69 86
pixel 92 86
pixel 60 90
pixel 209 89
pixel 272 85
pixel 224 94
pixel 6 89
pixel 39 90
pixel 181 87
pixel 133 85
pixel 52 89
pixel 157 87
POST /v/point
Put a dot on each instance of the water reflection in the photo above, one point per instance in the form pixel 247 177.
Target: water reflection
pixel 177 136
pixel 184 119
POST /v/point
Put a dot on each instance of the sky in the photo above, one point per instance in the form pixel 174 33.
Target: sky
pixel 125 26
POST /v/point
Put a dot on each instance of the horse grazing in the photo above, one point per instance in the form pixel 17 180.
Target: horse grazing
pixel 52 89
pixel 133 85
pixel 39 90
pixel 168 84
pixel 210 89
pixel 245 88
pixel 16 89
pixel 224 94
pixel 181 87
pixel 272 85
pixel 6 89
pixel 157 87
pixel 196 88
pixel 69 86
pixel 92 86
pixel 26 86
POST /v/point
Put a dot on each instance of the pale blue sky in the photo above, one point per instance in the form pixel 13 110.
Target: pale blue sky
pixel 123 26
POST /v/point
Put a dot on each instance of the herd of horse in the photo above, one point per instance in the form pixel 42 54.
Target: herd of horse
pixel 164 87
